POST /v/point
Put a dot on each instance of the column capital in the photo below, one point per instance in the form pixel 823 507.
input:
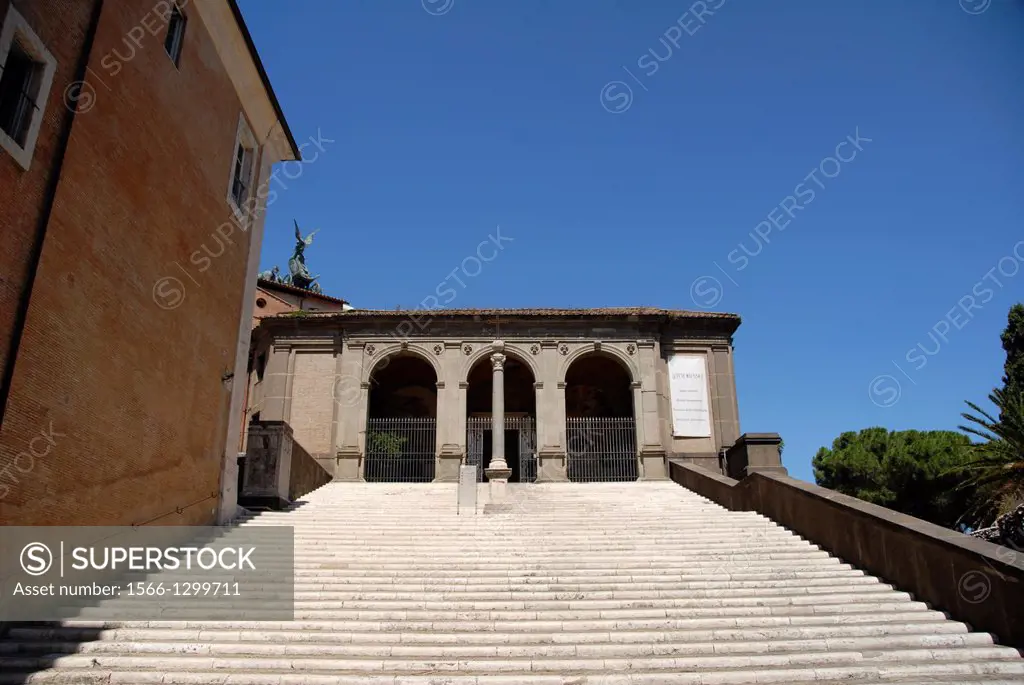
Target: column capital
pixel 497 361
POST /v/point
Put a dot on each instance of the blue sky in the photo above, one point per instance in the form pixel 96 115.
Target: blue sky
pixel 452 117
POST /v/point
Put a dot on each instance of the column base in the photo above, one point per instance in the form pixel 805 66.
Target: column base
pixel 349 465
pixel 498 475
pixel 551 466
pixel 653 465
pixel 448 464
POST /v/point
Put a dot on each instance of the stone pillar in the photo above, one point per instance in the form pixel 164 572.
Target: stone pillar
pixel 351 400
pixel 653 460
pixel 451 414
pixel 289 385
pixel 275 384
pixel 498 470
pixel 723 392
pixel 550 418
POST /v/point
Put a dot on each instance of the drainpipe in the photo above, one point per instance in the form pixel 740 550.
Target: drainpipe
pixel 50 196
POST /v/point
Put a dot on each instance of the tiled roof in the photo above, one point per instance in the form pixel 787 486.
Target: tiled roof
pixel 608 312
pixel 284 287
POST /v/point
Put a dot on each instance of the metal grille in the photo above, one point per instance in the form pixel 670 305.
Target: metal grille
pixel 477 430
pixel 601 449
pixel 400 450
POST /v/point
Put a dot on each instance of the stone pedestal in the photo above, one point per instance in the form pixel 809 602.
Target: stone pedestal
pixel 653 465
pixel 755 452
pixel 267 465
pixel 348 466
pixel 551 467
pixel 448 463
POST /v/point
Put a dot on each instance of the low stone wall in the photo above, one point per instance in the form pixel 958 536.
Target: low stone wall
pixel 306 473
pixel 276 469
pixel 972 580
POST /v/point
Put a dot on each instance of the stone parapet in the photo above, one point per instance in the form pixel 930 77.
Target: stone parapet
pixel 974 581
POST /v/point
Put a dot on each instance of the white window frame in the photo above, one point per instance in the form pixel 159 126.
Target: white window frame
pixel 245 138
pixel 16 28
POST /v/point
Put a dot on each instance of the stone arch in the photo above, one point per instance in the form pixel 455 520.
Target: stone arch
pixel 402 406
pixel 601 405
pixel 520 353
pixel 520 383
pixel 612 351
pixel 384 355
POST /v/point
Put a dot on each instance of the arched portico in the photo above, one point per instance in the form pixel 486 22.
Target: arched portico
pixel 601 427
pixel 401 427
pixel 517 414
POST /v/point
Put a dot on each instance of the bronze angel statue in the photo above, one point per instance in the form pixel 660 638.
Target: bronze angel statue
pixel 299 274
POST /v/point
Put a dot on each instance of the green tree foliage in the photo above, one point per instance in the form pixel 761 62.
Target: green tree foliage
pixel 913 472
pixel 1013 344
pixel 385 443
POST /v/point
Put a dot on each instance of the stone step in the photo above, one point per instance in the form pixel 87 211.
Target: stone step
pixel 931 629
pixel 561 651
pixel 770 578
pixel 540 597
pixel 596 590
pixel 604 584
pixel 946 674
pixel 902 660
pixel 629 619
pixel 541 609
pixel 548 544
pixel 812 560
pixel 745 622
pixel 760 551
pixel 514 550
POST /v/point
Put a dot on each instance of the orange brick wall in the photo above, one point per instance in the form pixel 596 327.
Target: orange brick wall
pixel 62 25
pixel 133 389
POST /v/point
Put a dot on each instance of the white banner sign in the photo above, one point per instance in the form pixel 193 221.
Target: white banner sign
pixel 688 382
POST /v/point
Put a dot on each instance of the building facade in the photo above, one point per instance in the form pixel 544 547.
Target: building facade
pixel 597 394
pixel 279 298
pixel 273 297
pixel 137 138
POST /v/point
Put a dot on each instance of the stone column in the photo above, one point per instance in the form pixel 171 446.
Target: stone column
pixel 498 470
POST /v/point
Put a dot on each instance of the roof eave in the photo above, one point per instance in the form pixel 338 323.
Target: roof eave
pixel 237 12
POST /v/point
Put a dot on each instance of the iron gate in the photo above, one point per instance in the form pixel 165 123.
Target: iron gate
pixel 400 450
pixel 601 449
pixel 477 428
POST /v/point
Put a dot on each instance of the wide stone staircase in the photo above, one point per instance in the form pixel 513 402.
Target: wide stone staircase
pixel 560 584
